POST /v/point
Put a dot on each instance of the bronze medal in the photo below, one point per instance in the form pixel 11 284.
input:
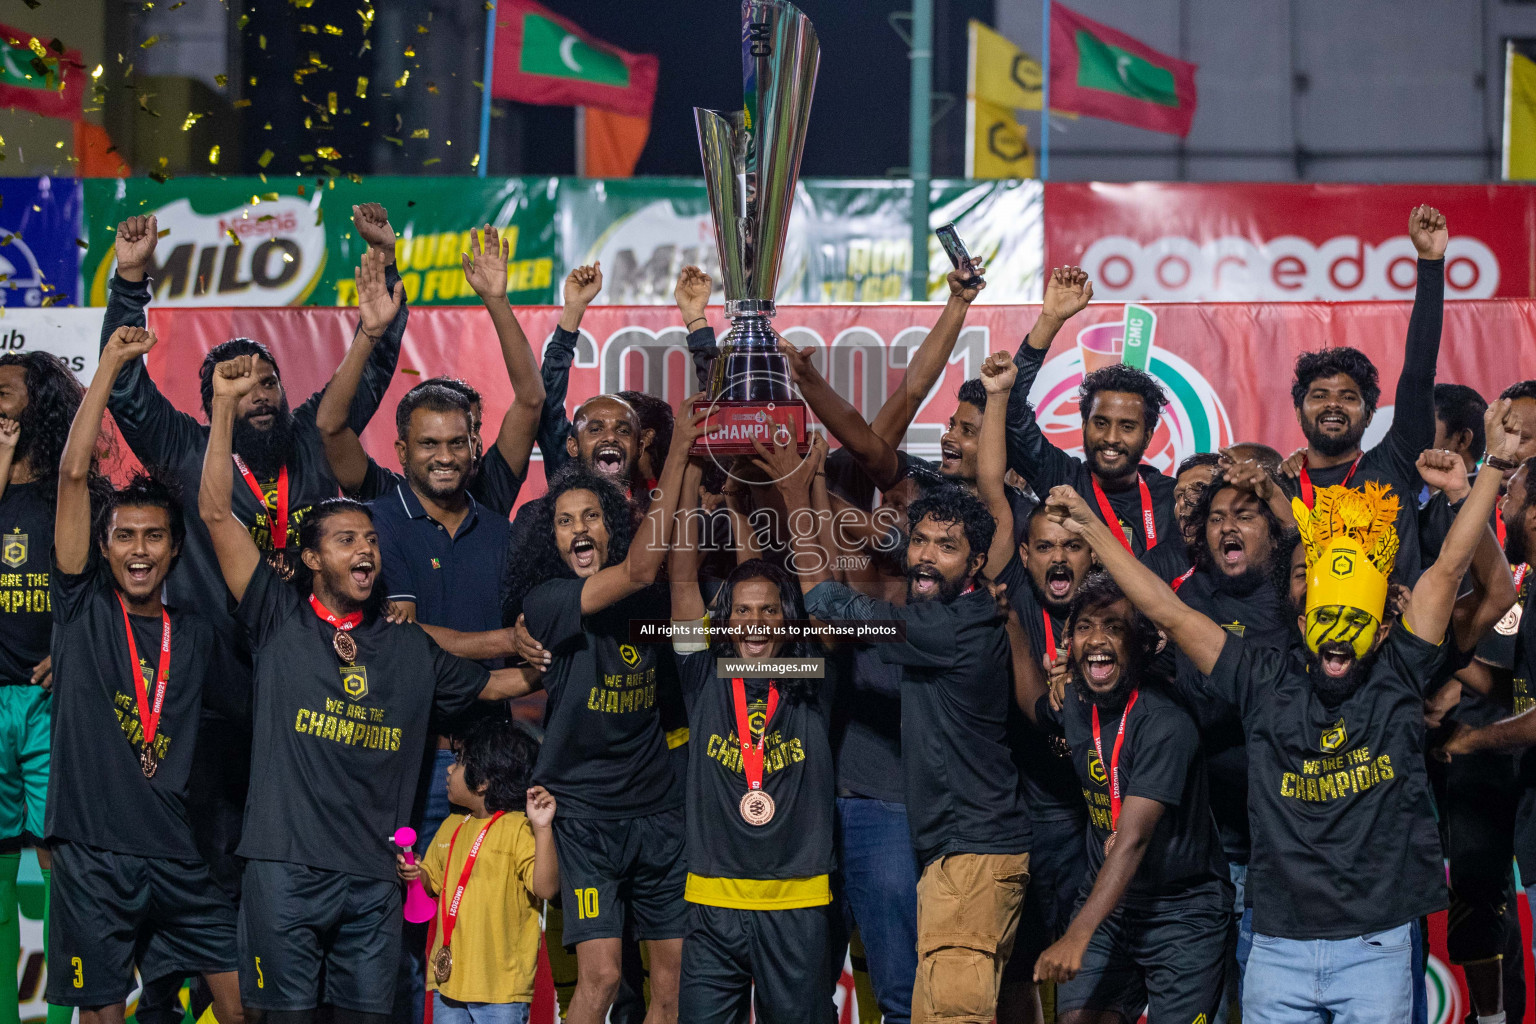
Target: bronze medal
pixel 148 762
pixel 442 964
pixel 346 647
pixel 757 807
pixel 1109 844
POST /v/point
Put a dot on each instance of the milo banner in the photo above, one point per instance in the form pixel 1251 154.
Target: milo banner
pixel 849 240
pixel 290 241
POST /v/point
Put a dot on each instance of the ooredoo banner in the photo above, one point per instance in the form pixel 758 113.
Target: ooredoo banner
pixel 1285 243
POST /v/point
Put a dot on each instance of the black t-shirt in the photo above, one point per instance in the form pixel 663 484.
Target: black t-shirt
pixel 1252 610
pixel 26 537
pixel 97 792
pixel 1344 835
pixel 1160 761
pixel 962 788
pixel 1049 781
pixel 1517 652
pixel 866 724
pixel 605 752
pixel 336 748
pixel 797 774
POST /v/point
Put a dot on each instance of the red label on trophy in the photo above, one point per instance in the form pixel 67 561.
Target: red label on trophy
pixel 739 423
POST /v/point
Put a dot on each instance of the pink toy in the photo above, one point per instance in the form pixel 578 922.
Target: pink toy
pixel 419 907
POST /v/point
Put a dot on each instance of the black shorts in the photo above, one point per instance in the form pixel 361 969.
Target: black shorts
pixel 310 936
pixel 611 868
pixel 1171 959
pixel 1057 868
pixel 773 956
pixel 111 911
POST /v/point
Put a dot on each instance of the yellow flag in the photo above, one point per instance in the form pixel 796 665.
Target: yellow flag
pixel 1519 115
pixel 1000 72
pixel 997 145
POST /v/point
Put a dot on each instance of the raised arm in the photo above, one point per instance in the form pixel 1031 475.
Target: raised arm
pixel 72 521
pixel 1198 637
pixel 485 267
pixel 545 883
pixel 237 553
pixel 1413 417
pixel 692 296
pixel 372 224
pixel 1434 595
pixel 794 478
pixel 874 454
pixel 1042 464
pixel 654 536
pixel 581 287
pixel 997 376
pixel 1493 588
pixel 376 308
pixel 927 364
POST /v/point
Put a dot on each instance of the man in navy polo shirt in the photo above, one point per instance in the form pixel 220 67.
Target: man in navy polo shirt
pixel 442 553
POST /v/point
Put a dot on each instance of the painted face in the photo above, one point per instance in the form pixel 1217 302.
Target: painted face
pixel 1340 634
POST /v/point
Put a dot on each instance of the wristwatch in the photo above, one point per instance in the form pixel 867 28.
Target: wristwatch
pixel 1500 464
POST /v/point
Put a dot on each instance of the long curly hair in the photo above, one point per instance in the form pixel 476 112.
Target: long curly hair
pixel 1200 551
pixel 53 397
pixel 793 605
pixel 539 561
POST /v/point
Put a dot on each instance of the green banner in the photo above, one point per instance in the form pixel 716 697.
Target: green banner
pixel 290 241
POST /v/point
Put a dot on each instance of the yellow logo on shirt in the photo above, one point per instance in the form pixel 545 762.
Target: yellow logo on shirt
pixel 13 552
pixel 630 654
pixel 354 681
pixel 1235 628
pixel 1334 738
pixel 1096 768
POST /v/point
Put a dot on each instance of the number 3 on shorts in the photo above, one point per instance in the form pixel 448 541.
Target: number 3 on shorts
pixel 79 967
pixel 586 904
pixel 261 982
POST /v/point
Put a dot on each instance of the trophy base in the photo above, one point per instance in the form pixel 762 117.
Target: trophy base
pixel 742 422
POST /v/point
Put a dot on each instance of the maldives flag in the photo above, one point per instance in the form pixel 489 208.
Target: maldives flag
pixel 543 58
pixel 39 78
pixel 1100 72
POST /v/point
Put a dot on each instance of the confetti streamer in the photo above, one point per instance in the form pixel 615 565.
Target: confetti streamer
pixel 265 158
pixel 362 87
pixel 213 155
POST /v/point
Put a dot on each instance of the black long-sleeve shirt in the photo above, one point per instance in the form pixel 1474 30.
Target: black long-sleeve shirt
pixel 1393 459
pixel 1044 466
pixel 162 436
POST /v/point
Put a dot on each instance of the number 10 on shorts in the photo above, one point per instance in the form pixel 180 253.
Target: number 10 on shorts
pixel 586 904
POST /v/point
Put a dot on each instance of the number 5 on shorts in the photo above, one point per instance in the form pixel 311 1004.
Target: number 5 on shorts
pixel 586 904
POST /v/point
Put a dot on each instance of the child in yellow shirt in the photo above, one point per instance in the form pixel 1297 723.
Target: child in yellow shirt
pixel 485 944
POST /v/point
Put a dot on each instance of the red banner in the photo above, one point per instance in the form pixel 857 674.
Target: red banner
pixel 1226 367
pixel 1286 243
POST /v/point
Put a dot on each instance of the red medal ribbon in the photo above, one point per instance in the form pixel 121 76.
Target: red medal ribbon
pixel 1113 764
pixel 1499 531
pixel 1307 496
pixel 450 908
pixel 342 622
pixel 1520 572
pixel 1176 584
pixel 149 715
pixel 1148 520
pixel 279 529
pixel 752 753
pixel 1050 634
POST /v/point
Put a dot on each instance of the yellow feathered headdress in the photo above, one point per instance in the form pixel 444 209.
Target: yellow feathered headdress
pixel 1351 539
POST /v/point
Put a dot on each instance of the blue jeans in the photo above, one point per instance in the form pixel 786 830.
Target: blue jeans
pixel 1233 991
pixel 451 1011
pixel 880 893
pixel 1368 979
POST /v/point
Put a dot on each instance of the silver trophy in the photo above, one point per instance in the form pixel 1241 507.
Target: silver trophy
pixel 751 163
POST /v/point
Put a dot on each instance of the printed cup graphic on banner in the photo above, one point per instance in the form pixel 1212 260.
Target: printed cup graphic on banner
pixel 1195 420
pixel 269 253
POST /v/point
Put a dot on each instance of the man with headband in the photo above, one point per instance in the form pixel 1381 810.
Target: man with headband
pixel 1346 856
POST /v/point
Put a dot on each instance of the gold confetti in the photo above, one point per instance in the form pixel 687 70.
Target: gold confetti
pixel 36 45
pixel 179 3
pixel 240 103
pixel 162 178
pixel 309 123
pixel 421 30
pixel 56 145
pixel 404 77
pixel 354 177
pixel 151 41
pixel 165 162
pixel 97 73
pixel 232 236
pixel 366 15
pixel 192 119
pixel 410 51
pixel 311 29
pixel 362 87
pixel 419 133
pixel 475 162
pixel 267 127
pixel 432 88
pixel 253 80
pixel 265 217
pixel 265 158
pixel 330 103
pixel 434 160
pixel 270 197
pixel 213 155
pixel 328 153
pixel 242 21
pixel 261 41
pixel 305 158
pixel 222 80
pixel 51 299
pixel 391 138
pixel 413 373
pixel 332 30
